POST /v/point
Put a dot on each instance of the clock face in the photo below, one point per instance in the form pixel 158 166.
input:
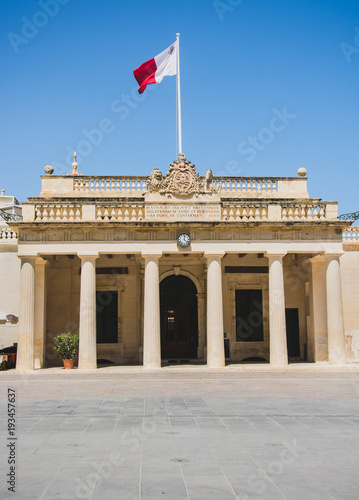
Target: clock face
pixel 184 240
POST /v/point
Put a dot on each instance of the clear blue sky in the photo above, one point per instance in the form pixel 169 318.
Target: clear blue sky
pixel 243 64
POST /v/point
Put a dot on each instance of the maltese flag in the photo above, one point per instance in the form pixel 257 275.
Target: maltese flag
pixel 155 69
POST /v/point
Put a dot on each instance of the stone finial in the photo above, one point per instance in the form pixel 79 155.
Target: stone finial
pixel 302 172
pixel 74 165
pixel 49 170
pixel 3 192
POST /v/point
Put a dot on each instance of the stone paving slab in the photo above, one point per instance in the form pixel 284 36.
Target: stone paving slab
pixel 180 446
pixel 193 383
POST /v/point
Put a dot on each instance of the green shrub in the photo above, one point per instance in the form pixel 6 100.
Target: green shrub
pixel 66 345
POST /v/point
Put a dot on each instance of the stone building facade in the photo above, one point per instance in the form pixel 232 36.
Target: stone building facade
pixel 10 211
pixel 186 268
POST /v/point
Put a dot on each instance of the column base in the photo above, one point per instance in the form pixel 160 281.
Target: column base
pixel 278 364
pixel 216 364
pixel 337 362
pixel 154 366
pixel 89 366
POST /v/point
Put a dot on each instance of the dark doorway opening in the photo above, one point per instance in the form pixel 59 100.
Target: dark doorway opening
pixel 249 316
pixel 179 318
pixel 106 317
pixel 292 325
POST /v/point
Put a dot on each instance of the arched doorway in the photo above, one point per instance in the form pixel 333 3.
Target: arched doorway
pixel 179 318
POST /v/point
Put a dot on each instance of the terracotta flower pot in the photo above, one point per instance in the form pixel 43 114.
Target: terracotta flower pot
pixel 68 363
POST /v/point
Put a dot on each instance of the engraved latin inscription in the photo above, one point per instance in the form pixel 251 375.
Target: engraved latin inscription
pixel 183 212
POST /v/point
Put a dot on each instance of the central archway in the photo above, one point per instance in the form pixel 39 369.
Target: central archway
pixel 179 318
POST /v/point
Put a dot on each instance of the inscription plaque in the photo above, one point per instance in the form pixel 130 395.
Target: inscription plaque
pixel 183 212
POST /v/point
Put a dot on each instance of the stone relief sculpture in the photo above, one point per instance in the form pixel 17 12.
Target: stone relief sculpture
pixel 181 180
pixel 209 182
pixel 154 181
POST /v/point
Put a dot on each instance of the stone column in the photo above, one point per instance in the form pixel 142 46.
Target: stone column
pixel 40 313
pixel 215 342
pixel 318 335
pixel 335 318
pixel 151 316
pixel 277 327
pixel 25 350
pixel 87 328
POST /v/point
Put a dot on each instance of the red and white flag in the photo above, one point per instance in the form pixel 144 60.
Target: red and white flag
pixel 155 69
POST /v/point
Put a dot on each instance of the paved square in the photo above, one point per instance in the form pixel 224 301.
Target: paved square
pixel 264 446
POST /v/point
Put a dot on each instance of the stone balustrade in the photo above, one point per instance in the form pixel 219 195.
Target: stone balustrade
pixel 351 235
pixel 306 211
pixel 108 185
pixel 243 185
pixel 58 212
pixel 125 212
pixel 133 209
pixel 244 212
pixel 238 185
pixel 7 235
pixel 122 186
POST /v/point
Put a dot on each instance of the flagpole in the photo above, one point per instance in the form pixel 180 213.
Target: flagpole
pixel 179 99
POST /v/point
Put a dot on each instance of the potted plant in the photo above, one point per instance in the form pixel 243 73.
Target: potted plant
pixel 66 345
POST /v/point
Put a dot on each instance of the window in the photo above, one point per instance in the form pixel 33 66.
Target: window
pixel 249 316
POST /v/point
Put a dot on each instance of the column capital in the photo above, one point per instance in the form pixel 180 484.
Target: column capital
pixel 273 255
pixel 214 255
pixel 333 255
pixel 40 261
pixel 88 256
pixel 317 259
pixel 151 255
pixel 29 258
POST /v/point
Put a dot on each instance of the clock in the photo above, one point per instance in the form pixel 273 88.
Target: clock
pixel 183 239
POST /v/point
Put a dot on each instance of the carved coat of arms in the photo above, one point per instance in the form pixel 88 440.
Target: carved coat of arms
pixel 180 180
